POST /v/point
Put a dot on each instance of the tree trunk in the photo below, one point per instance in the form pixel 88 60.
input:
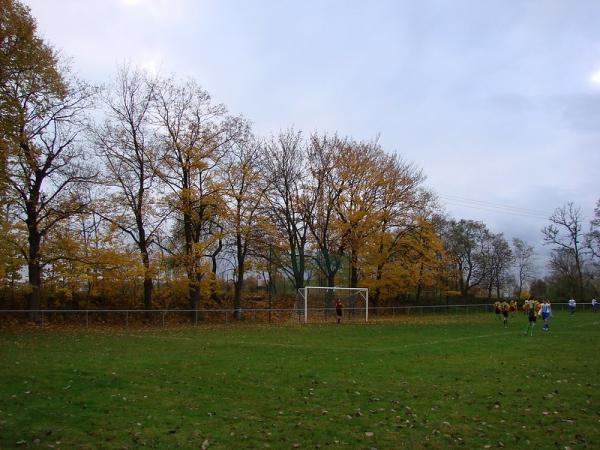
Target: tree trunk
pixel 237 296
pixel 579 276
pixel 353 269
pixel 464 289
pixel 147 281
pixel 35 282
pixel 147 293
pixel 419 285
pixel 377 293
pixel 239 283
pixel 34 269
pixel 329 299
pixel 213 289
pixel 192 274
pixel 194 291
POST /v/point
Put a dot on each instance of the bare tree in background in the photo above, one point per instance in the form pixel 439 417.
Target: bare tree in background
pixel 465 242
pixel 593 237
pixel 125 144
pixel 502 261
pixel 323 190
pixel 284 165
pixel 565 234
pixel 524 263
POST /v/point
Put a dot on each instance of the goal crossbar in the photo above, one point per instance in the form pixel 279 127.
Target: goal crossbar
pixel 364 293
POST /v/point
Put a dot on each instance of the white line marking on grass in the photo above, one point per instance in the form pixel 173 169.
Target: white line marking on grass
pixel 366 349
pixel 388 349
pixel 156 336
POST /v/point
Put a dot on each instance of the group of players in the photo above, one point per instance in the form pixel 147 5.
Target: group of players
pixel 532 309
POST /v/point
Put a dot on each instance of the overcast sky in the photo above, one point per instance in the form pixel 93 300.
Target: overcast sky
pixel 497 101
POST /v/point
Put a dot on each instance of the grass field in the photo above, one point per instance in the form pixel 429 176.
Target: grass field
pixel 424 382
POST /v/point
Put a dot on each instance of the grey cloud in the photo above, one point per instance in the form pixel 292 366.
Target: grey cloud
pixel 580 111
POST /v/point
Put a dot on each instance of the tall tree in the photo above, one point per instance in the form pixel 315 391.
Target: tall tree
pixel 465 243
pixel 593 237
pixel 500 262
pixel 41 108
pixel 563 279
pixel 284 166
pixel 524 263
pixel 565 233
pixel 323 190
pixel 194 137
pixel 362 180
pixel 125 143
pixel 244 190
pixel 399 219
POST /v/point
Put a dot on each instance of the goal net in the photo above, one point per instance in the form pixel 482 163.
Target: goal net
pixel 317 303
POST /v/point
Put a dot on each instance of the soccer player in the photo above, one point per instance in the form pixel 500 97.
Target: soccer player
pixel 513 308
pixel 497 309
pixel 594 305
pixel 546 313
pixel 531 316
pixel 338 310
pixel 526 307
pixel 505 307
pixel 572 305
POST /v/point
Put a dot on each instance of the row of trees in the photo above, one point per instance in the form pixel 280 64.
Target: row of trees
pixel 575 259
pixel 148 181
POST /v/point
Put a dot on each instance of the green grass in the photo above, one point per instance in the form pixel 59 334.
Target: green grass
pixel 425 382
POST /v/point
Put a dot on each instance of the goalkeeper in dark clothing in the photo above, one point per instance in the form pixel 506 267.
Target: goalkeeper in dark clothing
pixel 338 310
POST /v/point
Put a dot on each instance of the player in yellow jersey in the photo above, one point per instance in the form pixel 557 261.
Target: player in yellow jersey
pixel 513 308
pixel 504 306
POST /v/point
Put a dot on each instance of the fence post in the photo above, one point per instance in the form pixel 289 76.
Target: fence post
pixel 196 317
pixel 87 320
pixel 42 319
pixel 226 318
pixel 163 319
pixel 127 319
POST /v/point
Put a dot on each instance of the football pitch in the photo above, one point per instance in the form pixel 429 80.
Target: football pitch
pixel 457 381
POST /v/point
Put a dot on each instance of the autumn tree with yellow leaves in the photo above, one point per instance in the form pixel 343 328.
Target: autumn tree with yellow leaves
pixel 170 189
pixel 42 107
pixel 244 190
pixel 194 136
pixel 125 140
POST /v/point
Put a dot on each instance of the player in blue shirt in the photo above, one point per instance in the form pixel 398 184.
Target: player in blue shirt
pixel 546 313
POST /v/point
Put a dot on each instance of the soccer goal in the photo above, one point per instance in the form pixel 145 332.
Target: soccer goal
pixel 318 302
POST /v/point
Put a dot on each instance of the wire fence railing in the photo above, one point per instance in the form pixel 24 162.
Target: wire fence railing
pixel 165 317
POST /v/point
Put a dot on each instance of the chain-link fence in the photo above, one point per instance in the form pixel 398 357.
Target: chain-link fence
pixel 168 317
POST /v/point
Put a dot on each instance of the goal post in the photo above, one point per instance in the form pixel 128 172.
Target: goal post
pixel 304 296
